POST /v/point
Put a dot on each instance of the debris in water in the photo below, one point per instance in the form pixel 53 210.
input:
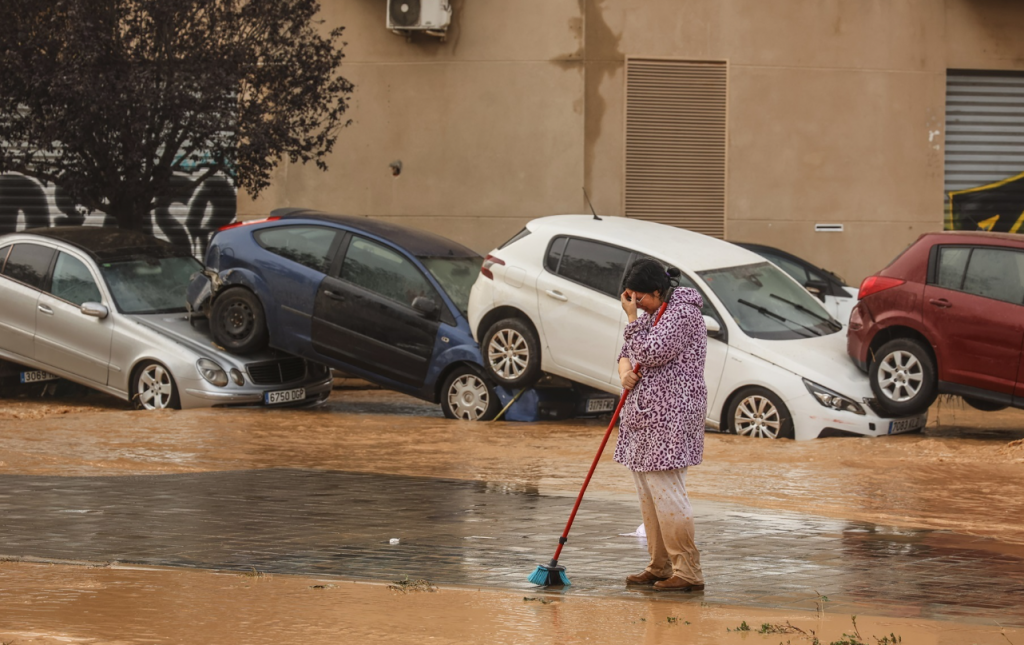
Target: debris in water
pixel 395 540
pixel 405 586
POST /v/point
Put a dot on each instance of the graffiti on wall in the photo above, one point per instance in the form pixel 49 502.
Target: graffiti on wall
pixel 997 207
pixel 186 217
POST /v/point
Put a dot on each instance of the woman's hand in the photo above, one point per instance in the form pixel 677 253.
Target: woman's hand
pixel 629 379
pixel 628 300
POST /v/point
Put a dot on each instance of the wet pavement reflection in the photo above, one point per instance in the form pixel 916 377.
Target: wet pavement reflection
pixel 331 523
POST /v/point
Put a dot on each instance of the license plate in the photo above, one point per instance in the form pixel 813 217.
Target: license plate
pixel 600 405
pixel 37 376
pixel 906 425
pixel 284 396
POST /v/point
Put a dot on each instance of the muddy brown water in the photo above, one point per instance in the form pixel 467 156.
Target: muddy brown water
pixel 965 473
pixel 51 605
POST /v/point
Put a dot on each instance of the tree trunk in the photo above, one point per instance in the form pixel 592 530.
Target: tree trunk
pixel 127 215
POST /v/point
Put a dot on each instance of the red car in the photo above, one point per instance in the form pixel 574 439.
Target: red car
pixel 945 317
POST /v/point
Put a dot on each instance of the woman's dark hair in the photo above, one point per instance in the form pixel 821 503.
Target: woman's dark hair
pixel 647 276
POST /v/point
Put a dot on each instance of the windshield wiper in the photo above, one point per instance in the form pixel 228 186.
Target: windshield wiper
pixel 833 324
pixel 764 311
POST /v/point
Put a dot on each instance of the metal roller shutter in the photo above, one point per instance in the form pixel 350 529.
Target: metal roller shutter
pixel 984 177
pixel 188 217
pixel 676 113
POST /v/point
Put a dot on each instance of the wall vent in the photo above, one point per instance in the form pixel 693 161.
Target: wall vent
pixel 676 139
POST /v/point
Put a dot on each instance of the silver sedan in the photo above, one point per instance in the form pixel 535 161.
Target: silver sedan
pixel 106 308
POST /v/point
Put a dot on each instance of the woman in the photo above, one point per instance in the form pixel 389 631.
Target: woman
pixel 662 428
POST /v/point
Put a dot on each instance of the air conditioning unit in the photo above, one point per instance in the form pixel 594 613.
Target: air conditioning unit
pixel 428 16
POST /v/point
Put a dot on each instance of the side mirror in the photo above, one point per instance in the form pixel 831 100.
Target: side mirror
pixel 95 309
pixel 714 329
pixel 425 306
pixel 818 288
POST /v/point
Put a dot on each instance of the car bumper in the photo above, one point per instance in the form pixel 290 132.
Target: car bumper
pixel 200 394
pixel 812 420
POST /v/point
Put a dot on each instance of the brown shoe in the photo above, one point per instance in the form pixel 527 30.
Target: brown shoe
pixel 643 578
pixel 675 583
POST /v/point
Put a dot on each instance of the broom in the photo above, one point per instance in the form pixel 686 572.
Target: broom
pixel 553 574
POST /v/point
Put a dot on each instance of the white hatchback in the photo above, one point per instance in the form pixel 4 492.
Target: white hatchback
pixel 547 301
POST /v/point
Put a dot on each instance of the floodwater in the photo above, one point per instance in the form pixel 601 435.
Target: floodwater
pixel 964 474
pixel 51 605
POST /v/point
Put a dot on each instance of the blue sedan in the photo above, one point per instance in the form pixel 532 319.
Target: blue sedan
pixel 376 300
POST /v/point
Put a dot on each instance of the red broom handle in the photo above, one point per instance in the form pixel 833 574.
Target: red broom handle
pixel 597 457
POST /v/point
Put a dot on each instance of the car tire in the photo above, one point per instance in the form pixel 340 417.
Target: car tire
pixel 903 378
pixel 511 353
pixel 153 388
pixel 759 413
pixel 468 396
pixel 238 322
pixel 984 406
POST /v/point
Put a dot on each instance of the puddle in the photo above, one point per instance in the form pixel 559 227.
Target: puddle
pixel 964 475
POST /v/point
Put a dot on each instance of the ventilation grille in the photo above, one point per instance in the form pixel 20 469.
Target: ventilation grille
pixel 676 143
pixel 277 372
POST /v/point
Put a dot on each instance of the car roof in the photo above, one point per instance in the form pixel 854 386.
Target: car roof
pixel 690 250
pixel 108 244
pixel 975 237
pixel 419 243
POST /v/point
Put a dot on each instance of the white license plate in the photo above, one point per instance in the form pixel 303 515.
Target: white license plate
pixel 600 405
pixel 37 376
pixel 906 425
pixel 284 396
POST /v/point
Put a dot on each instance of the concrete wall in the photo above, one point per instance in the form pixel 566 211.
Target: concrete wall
pixel 836 113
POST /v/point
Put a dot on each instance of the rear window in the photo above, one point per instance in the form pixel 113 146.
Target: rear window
pixel 983 271
pixel 515 238
pixel 601 267
pixel 997 274
pixel 310 246
pixel 29 263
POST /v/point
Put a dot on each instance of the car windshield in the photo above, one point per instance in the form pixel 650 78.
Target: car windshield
pixel 153 286
pixel 456 276
pixel 767 304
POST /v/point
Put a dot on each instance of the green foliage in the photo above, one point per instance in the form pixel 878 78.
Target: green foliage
pixel 110 98
pixel 744 627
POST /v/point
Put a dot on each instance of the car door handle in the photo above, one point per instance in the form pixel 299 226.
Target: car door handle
pixel 941 302
pixel 334 296
pixel 557 295
pixel 46 310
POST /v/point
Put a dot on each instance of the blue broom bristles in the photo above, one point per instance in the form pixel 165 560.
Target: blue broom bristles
pixel 539 576
pixel 549 577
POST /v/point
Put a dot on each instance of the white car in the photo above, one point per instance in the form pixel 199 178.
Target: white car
pixel 548 301
pixel 838 297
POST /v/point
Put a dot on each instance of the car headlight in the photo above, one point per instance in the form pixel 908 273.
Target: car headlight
pixel 237 377
pixel 831 399
pixel 212 372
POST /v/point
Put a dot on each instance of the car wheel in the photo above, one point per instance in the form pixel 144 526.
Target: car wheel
pixel 153 388
pixel 512 353
pixel 902 375
pixel 468 396
pixel 984 406
pixel 759 413
pixel 238 322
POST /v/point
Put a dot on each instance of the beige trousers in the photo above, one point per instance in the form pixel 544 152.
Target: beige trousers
pixel 668 520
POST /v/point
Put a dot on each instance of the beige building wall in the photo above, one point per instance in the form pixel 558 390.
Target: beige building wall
pixel 836 114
